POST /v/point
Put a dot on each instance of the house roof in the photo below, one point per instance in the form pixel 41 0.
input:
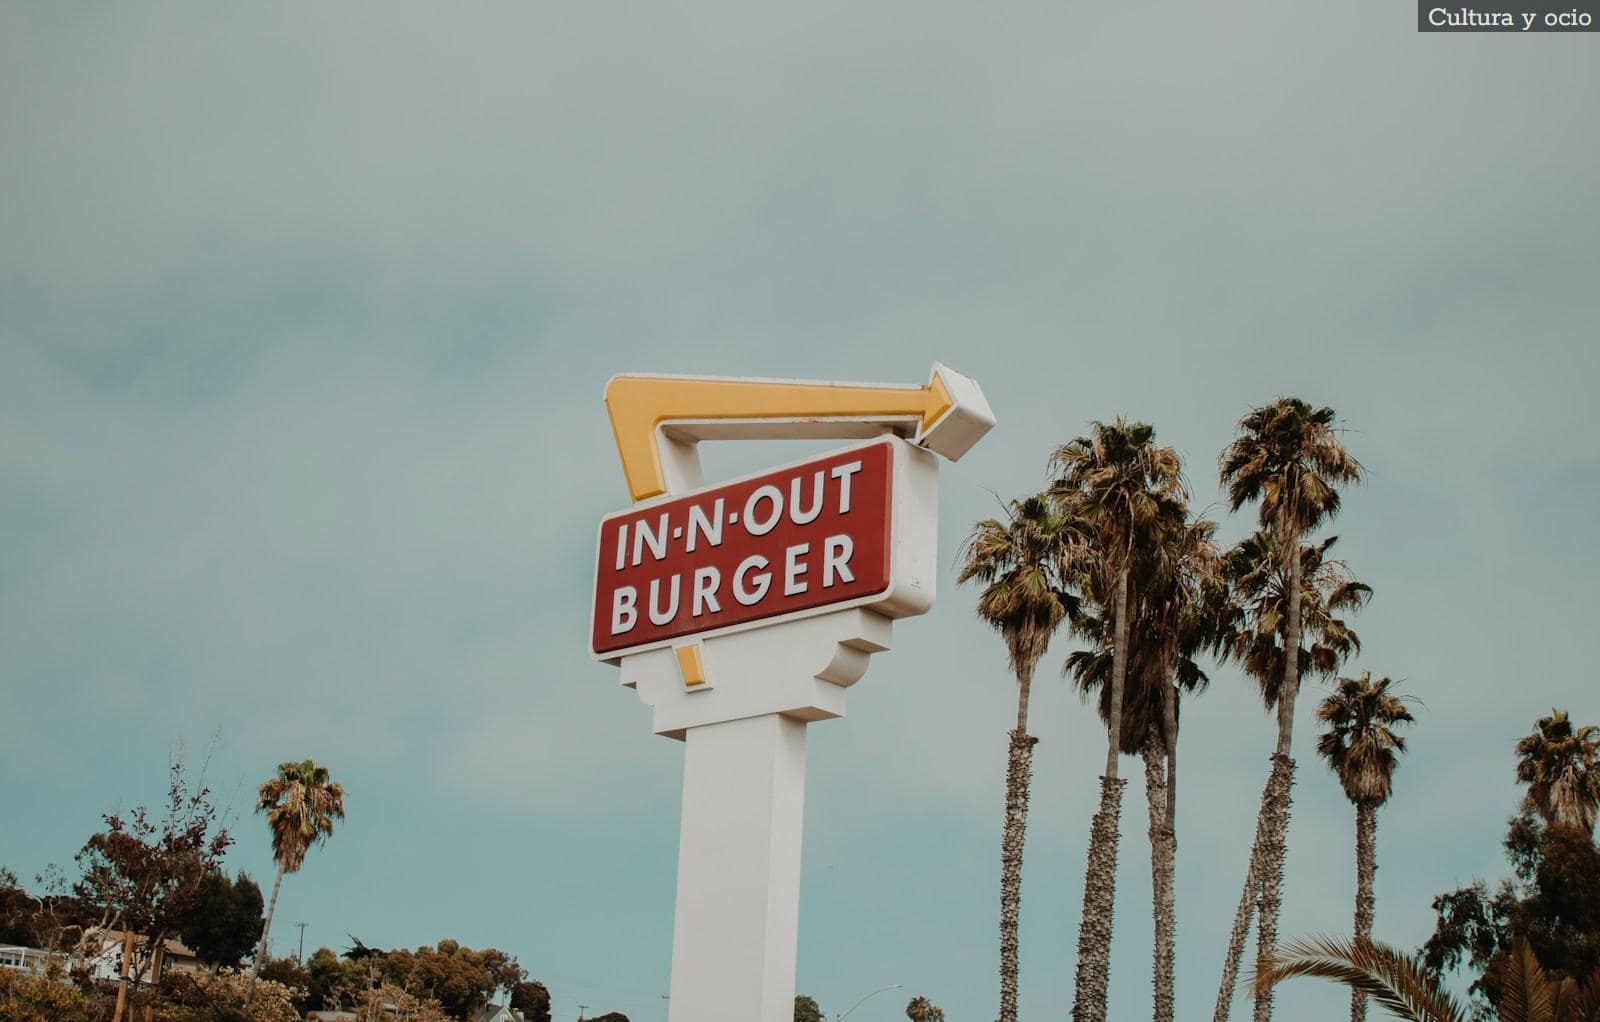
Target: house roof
pixel 174 947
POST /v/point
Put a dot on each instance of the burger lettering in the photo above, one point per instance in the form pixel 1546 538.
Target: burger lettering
pixel 795 539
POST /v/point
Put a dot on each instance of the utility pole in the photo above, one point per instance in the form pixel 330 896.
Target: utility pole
pixel 581 1007
pixel 300 956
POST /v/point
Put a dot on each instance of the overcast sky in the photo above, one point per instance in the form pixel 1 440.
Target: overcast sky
pixel 305 313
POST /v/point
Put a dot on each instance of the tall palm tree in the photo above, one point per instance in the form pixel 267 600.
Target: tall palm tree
pixel 1252 629
pixel 1362 749
pixel 301 804
pixel 1123 489
pixel 1183 598
pixel 1019 561
pixel 1404 986
pixel 1560 764
pixel 1288 456
pixel 1169 626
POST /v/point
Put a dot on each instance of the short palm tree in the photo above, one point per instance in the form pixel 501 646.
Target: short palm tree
pixel 1252 629
pixel 1404 986
pixel 301 804
pixel 1019 561
pixel 1124 490
pixel 1288 457
pixel 1560 764
pixel 1362 750
pixel 920 1009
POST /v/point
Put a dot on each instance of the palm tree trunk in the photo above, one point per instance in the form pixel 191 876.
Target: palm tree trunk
pixel 1099 896
pixel 1119 673
pixel 1247 907
pixel 1169 734
pixel 266 928
pixel 1019 773
pixel 1157 795
pixel 1366 870
pixel 127 965
pixel 1269 875
pixel 1291 652
pixel 1100 879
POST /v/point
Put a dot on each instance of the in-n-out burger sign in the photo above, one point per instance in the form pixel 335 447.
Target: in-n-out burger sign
pixel 830 532
pixel 741 612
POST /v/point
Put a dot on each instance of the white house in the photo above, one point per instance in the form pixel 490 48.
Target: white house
pixel 102 954
pixel 30 959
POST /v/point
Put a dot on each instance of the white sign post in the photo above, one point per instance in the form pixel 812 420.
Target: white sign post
pixel 743 611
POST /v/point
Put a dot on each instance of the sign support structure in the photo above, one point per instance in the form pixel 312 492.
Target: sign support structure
pixel 743 611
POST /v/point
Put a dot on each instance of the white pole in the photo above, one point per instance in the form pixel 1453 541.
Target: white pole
pixel 738 906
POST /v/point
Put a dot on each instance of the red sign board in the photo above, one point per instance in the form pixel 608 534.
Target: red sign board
pixel 798 538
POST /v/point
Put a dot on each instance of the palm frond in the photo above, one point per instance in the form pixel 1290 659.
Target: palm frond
pixel 1389 977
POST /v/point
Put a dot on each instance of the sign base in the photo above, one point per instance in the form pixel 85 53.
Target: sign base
pixel 734 934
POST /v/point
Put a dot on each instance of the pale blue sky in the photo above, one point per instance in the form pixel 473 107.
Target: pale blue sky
pixel 305 312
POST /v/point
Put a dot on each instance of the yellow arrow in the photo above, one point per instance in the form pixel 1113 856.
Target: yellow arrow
pixel 641 405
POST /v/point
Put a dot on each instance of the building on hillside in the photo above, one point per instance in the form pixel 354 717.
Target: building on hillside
pixel 30 959
pixel 102 955
pixel 497 1013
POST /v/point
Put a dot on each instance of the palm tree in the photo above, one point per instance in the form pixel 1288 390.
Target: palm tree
pixel 1560 765
pixel 920 1009
pixel 1019 561
pixel 1252 629
pixel 1124 490
pixel 1403 985
pixel 1182 601
pixel 1288 457
pixel 1362 749
pixel 1168 628
pixel 301 805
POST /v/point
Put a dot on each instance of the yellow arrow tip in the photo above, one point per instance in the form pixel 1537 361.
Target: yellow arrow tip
pixel 939 402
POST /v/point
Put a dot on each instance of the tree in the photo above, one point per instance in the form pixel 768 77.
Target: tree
pixel 1552 902
pixel 532 998
pixel 1171 622
pixel 220 998
pixel 294 976
pixel 1122 490
pixel 147 874
pixel 806 1009
pixel 25 997
pixel 301 804
pixel 610 1016
pixel 52 919
pixel 1404 986
pixel 1253 629
pixel 225 921
pixel 920 1009
pixel 460 979
pixel 1362 750
pixel 1287 456
pixel 1560 765
pixel 1019 561
pixel 332 982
